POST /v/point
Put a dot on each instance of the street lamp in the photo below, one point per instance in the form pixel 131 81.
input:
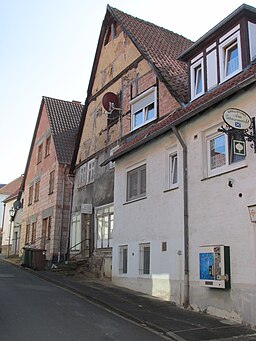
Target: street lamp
pixel 12 214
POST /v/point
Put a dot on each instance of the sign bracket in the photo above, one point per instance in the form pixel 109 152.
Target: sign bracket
pixel 247 134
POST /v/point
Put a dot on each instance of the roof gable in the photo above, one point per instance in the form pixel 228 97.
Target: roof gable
pixel 64 118
pixel 12 187
pixel 161 48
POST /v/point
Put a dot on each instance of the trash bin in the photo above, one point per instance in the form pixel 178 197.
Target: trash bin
pixel 38 259
pixel 27 257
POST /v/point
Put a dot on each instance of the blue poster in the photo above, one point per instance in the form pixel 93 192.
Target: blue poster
pixel 206 261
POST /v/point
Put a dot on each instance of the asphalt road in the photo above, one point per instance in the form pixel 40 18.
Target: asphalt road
pixel 32 309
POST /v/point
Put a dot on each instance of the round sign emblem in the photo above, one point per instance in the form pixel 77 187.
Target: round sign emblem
pixel 237 119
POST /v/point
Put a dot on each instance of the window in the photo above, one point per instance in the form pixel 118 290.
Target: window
pixel 222 152
pixel 90 171
pixel 197 79
pixel 30 194
pixel 144 260
pixel 27 234
pixel 104 225
pixel 46 231
pixel 123 259
pixel 86 173
pixel 39 153
pixel 173 170
pixel 33 235
pixel 82 175
pixel 143 108
pixel 136 183
pixel 37 186
pixel 75 232
pixel 51 182
pixel 230 57
pixel 47 146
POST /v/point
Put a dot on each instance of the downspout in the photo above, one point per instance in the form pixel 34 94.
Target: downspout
pixel 185 213
pixel 69 216
pixel 62 209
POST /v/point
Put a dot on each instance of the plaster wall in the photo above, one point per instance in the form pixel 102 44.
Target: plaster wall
pixel 7 228
pixel 222 217
pixel 218 214
pixel 155 219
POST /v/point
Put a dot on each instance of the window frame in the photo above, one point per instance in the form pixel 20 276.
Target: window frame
pixel 82 175
pixel 86 173
pixel 144 265
pixel 194 78
pixel 172 155
pixel 51 182
pixel 37 191
pixel 229 163
pixel 27 234
pixel 47 146
pixel 76 232
pixel 142 103
pixel 123 261
pixel 40 153
pixel 224 47
pixel 90 171
pixel 33 233
pixel 140 194
pixel 106 211
pixel 30 194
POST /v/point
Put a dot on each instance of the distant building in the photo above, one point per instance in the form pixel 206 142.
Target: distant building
pixel 8 195
pixel 46 190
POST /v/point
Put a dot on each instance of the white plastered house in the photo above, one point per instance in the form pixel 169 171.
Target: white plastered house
pixel 185 194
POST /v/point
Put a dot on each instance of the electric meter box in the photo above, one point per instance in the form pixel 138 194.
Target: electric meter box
pixel 214 263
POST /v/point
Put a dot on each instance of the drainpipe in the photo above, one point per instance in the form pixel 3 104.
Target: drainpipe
pixel 62 209
pixel 185 213
pixel 69 216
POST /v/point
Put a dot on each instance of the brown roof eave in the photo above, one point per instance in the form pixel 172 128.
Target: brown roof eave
pixel 182 119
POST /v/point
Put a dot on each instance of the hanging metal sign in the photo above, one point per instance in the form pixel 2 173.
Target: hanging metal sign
pixel 237 119
pixel 239 147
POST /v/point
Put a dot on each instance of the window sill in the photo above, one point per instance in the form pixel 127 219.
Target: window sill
pixel 134 200
pixel 123 274
pixel 233 169
pixel 171 189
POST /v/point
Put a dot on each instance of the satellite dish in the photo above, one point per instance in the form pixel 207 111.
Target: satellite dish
pixel 110 102
pixel 17 205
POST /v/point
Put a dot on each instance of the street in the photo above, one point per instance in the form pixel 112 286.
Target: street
pixel 33 309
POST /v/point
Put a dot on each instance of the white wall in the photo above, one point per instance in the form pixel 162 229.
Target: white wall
pixel 157 218
pixel 217 215
pixel 7 225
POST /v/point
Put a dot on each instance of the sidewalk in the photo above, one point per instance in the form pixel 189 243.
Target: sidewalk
pixel 165 317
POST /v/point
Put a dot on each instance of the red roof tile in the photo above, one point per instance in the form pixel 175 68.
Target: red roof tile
pixel 193 108
pixel 12 187
pixel 64 118
pixel 161 48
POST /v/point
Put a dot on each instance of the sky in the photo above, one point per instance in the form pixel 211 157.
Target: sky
pixel 47 48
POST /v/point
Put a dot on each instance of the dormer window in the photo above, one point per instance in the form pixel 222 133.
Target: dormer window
pixel 197 79
pixel 143 108
pixel 230 57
